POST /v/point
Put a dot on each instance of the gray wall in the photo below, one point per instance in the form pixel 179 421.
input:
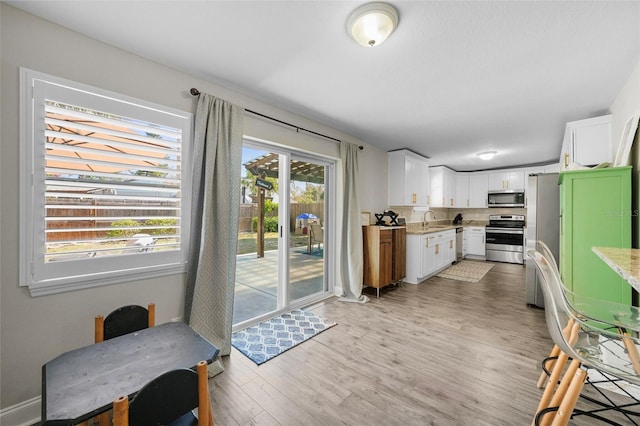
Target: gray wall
pixel 34 330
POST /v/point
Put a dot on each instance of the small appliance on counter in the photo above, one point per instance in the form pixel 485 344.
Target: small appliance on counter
pixel 380 218
pixel 458 219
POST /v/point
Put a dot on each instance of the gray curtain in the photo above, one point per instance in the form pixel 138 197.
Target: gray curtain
pixel 351 258
pixel 217 153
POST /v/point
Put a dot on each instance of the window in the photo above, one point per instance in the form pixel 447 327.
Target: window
pixel 102 184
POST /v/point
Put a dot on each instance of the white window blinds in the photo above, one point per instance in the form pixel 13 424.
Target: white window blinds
pixel 108 184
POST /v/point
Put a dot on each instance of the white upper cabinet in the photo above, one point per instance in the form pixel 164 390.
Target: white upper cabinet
pixel 478 188
pixel 586 142
pixel 443 186
pixel 462 190
pixel 408 179
pixel 507 179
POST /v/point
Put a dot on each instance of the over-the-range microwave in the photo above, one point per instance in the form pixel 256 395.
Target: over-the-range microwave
pixel 506 198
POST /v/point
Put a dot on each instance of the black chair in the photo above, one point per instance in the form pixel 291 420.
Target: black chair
pixel 124 320
pixel 169 400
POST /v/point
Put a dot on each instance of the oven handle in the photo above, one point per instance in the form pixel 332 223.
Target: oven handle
pixel 503 231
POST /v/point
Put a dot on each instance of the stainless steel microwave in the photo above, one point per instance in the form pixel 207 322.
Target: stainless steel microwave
pixel 506 198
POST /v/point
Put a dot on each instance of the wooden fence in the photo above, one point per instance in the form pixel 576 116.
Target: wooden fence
pixel 246 215
pixel 249 211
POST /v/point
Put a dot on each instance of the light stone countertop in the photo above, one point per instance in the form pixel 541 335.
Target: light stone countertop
pixel 626 262
pixel 416 228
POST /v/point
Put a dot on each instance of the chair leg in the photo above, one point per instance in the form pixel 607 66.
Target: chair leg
pixel 632 351
pixel 121 411
pixel 204 405
pixel 151 309
pixel 543 376
pixel 103 419
pixel 569 401
pixel 99 329
pixel 555 373
pixel 561 392
pixel 554 353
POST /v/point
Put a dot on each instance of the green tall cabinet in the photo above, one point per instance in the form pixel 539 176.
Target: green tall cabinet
pixel 595 210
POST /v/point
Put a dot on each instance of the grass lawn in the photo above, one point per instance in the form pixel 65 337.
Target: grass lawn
pixel 247 241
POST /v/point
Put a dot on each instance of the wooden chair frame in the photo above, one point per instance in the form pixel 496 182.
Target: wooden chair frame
pixel 205 411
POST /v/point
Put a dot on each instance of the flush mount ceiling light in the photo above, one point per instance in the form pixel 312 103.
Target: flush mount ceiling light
pixel 372 23
pixel 488 155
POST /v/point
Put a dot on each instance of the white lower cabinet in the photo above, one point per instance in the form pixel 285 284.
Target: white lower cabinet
pixel 475 241
pixel 428 254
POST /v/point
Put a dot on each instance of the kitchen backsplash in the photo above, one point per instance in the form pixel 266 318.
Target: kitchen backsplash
pixel 450 213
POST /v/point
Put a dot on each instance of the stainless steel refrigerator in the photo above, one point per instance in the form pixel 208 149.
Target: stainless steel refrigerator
pixel 543 223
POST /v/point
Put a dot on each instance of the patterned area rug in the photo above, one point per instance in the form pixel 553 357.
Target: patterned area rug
pixel 466 270
pixel 270 338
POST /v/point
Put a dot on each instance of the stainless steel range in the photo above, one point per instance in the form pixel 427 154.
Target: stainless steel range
pixel 505 238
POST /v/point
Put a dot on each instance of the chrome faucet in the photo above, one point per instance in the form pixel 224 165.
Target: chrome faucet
pixel 424 217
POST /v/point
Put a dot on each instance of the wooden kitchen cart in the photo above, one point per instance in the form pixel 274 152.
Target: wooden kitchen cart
pixel 384 255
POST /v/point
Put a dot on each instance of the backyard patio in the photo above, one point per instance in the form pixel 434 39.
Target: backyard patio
pixel 257 280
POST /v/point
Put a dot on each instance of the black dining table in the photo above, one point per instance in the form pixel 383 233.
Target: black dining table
pixel 82 383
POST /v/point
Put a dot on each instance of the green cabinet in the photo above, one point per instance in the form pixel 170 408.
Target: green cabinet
pixel 595 210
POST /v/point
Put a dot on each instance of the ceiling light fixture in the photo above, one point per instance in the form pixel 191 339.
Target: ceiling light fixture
pixel 372 23
pixel 488 155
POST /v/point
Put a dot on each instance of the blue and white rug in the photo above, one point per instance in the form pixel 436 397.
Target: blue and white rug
pixel 270 338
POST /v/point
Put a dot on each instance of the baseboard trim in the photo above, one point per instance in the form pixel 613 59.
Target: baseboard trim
pixel 26 413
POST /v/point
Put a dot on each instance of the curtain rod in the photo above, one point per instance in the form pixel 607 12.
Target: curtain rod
pixel 196 92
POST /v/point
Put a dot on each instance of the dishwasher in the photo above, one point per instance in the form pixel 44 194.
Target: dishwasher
pixel 459 243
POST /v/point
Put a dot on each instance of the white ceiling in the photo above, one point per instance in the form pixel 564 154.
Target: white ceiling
pixel 455 78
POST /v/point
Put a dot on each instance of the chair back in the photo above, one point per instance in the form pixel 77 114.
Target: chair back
pixel 594 342
pixel 165 398
pixel 169 399
pixel 125 320
pixel 317 234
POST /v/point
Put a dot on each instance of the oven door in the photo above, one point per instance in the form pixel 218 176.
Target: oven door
pixel 505 245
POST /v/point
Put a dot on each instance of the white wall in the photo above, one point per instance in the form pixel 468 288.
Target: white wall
pixel 625 104
pixel 34 330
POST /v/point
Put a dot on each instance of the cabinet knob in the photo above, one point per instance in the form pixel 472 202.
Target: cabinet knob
pixel 437 248
pixel 566 159
pixel 414 197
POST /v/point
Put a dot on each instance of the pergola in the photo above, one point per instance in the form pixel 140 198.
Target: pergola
pixel 269 166
pixel 301 171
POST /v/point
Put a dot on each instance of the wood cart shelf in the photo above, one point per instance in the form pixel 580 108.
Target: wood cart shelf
pixel 384 255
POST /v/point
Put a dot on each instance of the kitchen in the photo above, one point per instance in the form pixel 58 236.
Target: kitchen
pixel 483 215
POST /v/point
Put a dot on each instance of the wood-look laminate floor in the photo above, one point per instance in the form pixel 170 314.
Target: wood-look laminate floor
pixel 442 352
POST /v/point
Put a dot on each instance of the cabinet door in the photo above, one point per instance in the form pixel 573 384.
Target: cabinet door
pixel 408 179
pixel 476 242
pixel 412 183
pixel 429 255
pixel 399 255
pixel 465 242
pixel 414 258
pixel 436 186
pixel 587 142
pixel 462 190
pixel 496 181
pixel 478 188
pixel 386 262
pixel 592 143
pixel 450 247
pixel 596 212
pixel 449 187
pixel 514 179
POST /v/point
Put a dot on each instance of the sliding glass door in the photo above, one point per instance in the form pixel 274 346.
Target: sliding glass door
pixel 284 227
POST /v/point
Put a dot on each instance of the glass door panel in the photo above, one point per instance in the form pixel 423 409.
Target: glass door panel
pixel 307 248
pixel 256 289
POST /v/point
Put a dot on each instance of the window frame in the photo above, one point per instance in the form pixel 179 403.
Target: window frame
pixel 44 278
